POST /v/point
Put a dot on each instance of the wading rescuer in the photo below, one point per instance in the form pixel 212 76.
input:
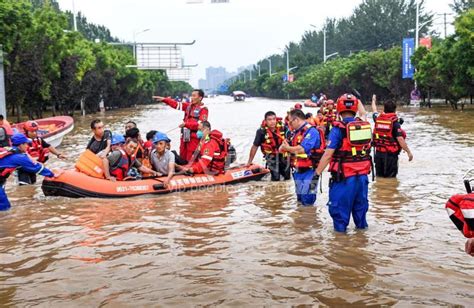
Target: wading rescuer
pixel 269 137
pixel 348 156
pixel 39 149
pixel 388 139
pixel 16 158
pixel 307 146
pixel 194 113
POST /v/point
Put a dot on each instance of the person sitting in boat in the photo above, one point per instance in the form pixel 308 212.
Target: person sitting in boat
pixel 314 98
pixel 16 158
pixel 178 160
pixel 148 145
pixel 211 153
pixel 100 141
pixel 6 132
pixel 129 125
pixel 38 150
pixel 134 133
pixel 161 158
pixel 118 163
pixel 117 143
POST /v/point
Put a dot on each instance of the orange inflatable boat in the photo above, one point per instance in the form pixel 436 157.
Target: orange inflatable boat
pixel 76 184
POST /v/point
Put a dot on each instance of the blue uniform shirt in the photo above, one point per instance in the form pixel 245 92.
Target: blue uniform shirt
pixel 336 135
pixel 311 139
pixel 21 160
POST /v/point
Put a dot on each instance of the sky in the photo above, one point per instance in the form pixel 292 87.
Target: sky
pixel 234 34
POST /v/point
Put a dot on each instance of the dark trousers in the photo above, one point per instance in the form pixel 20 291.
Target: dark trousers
pixel 279 166
pixel 386 165
pixel 26 178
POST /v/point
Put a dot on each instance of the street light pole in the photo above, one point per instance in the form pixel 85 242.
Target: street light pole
pixel 324 45
pixel 74 16
pixel 417 34
pixel 269 66
pixel 135 33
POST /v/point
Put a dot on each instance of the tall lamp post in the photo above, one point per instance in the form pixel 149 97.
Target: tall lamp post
pixel 135 33
pixel 269 66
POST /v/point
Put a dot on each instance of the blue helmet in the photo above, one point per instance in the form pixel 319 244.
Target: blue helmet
pixel 18 139
pixel 117 139
pixel 160 137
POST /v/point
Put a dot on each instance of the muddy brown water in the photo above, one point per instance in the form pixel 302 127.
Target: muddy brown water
pixel 248 244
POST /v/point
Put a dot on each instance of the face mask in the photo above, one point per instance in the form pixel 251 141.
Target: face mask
pixel 199 134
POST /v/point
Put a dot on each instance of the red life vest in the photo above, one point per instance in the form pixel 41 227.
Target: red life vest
pixel 217 164
pixel 193 112
pixel 121 170
pixel 384 140
pixel 5 172
pixel 461 212
pixel 303 161
pixel 353 157
pixel 37 151
pixel 270 145
pixel 329 117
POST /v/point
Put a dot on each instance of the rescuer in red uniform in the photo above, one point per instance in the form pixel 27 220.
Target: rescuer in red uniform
pixel 194 113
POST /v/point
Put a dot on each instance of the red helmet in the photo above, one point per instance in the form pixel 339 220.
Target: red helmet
pixel 298 106
pixel 329 102
pixel 347 103
pixel 31 126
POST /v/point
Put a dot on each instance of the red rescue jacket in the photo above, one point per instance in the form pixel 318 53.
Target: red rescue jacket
pixel 353 157
pixel 192 113
pixel 120 171
pixel 270 145
pixel 5 172
pixel 37 150
pixel 303 161
pixel 384 140
pixel 461 211
pixel 212 154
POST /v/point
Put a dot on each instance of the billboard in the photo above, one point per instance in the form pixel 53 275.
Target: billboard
pixel 408 70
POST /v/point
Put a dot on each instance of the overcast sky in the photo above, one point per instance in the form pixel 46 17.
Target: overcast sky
pixel 231 35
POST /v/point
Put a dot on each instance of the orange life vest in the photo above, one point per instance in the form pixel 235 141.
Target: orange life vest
pixel 218 161
pixel 329 117
pixel 270 145
pixel 37 151
pixel 90 164
pixel 384 140
pixel 304 161
pixel 5 172
pixel 121 170
pixel 353 157
pixel 461 212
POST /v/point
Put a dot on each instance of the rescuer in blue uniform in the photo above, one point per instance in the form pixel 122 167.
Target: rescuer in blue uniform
pixel 348 156
pixel 306 149
pixel 16 158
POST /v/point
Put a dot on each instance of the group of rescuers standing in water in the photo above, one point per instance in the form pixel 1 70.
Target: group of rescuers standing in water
pixel 301 145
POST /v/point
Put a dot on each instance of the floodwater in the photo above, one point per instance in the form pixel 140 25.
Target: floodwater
pixel 248 244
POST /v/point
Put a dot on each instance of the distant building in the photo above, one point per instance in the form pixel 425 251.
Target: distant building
pixel 215 76
pixel 202 83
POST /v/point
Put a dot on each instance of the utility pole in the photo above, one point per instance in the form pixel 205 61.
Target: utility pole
pixel 445 31
pixel 3 104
